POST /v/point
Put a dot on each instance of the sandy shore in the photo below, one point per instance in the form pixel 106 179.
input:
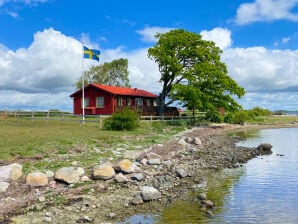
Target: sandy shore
pixel 109 202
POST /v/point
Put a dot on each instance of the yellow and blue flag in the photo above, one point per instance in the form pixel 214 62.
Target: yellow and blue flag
pixel 91 53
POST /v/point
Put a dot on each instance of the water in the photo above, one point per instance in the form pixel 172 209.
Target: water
pixel 265 190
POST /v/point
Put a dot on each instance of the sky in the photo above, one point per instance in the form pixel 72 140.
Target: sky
pixel 41 46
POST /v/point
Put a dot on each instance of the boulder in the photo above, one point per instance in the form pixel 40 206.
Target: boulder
pixel 37 179
pixel 150 193
pixel 10 172
pixel 120 178
pixel 68 175
pixel 264 148
pixel 104 171
pixel 125 166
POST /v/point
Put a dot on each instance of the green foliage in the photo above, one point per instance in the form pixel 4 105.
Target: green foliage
pixel 125 119
pixel 240 117
pixel 256 114
pixel 214 116
pixel 228 118
pixel 113 73
pixel 191 72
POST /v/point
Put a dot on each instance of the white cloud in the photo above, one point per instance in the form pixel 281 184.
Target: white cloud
pixel 49 65
pixel 148 34
pixel 221 36
pixel 266 10
pixel 261 70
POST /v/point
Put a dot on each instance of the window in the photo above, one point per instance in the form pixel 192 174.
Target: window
pixel 148 102
pixel 100 102
pixel 87 102
pixel 128 101
pixel 119 101
pixel 154 103
pixel 139 101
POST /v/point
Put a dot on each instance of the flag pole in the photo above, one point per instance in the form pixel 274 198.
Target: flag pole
pixel 83 86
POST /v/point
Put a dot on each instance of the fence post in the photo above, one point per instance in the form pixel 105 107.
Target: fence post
pixel 48 116
pixel 99 121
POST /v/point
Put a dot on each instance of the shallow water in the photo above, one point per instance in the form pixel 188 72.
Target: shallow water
pixel 265 190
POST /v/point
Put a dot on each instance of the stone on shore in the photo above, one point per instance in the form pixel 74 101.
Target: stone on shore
pixel 125 166
pixel 265 148
pixel 150 193
pixel 67 174
pixel 37 179
pixel 103 172
pixel 11 172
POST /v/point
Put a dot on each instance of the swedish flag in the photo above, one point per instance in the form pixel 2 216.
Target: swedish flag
pixel 91 53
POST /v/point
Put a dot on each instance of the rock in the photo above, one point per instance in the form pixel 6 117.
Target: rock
pixel 67 174
pixel 188 140
pixel 197 141
pixel 156 161
pixel 137 176
pixel 84 219
pixel 152 155
pixel 137 199
pixel 85 178
pixel 120 178
pixel 3 186
pixel 104 171
pixel 52 184
pixel 265 148
pixel 182 142
pixel 49 174
pixel 10 172
pixel 202 196
pixel 208 203
pixel 125 166
pixel 37 179
pixel 150 193
pixel 181 173
pixel 144 161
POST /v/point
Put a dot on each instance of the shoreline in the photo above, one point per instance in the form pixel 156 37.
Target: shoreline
pixel 110 202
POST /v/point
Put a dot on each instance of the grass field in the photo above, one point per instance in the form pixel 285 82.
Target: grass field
pixel 42 145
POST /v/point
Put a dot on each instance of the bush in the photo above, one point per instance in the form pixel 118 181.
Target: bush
pixel 214 116
pixel 229 117
pixel 240 117
pixel 125 119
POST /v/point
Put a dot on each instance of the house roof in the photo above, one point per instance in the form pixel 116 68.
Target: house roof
pixel 124 91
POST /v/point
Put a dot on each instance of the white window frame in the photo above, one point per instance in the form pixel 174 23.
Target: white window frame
pixel 139 102
pixel 100 102
pixel 86 102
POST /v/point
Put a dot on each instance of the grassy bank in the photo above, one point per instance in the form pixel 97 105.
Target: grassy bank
pixel 51 144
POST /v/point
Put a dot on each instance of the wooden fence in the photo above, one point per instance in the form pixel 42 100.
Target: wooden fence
pixel 69 117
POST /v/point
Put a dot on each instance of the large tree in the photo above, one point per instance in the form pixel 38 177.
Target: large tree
pixel 191 72
pixel 113 73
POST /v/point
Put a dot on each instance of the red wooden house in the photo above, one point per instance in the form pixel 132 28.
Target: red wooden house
pixel 105 100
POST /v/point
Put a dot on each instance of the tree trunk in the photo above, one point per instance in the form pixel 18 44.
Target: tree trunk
pixel 161 105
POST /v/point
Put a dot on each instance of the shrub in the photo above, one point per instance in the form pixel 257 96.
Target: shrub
pixel 240 117
pixel 229 117
pixel 125 119
pixel 214 116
